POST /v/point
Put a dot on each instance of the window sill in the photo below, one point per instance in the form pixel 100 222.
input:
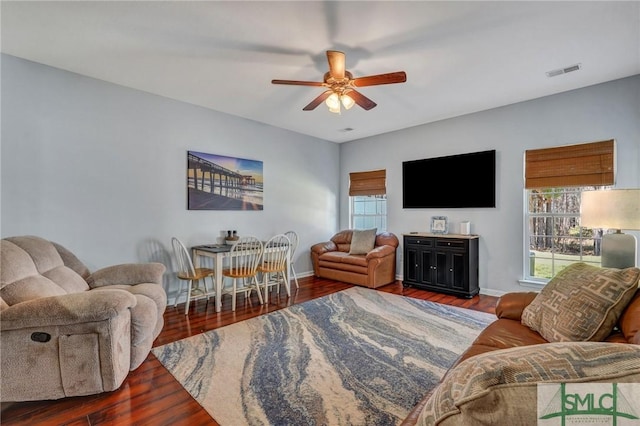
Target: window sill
pixel 536 285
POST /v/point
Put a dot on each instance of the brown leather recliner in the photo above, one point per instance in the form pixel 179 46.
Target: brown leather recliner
pixel 332 260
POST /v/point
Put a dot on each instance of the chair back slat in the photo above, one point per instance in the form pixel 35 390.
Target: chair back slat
pixel 185 264
pixel 275 254
pixel 293 239
pixel 245 256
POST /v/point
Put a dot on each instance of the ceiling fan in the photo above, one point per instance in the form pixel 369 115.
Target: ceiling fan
pixel 341 85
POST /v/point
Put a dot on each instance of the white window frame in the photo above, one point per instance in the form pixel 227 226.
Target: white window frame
pixel 377 219
pixel 583 237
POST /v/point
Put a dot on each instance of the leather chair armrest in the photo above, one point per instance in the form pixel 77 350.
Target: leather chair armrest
pixel 629 322
pixel 127 274
pixel 321 248
pixel 381 251
pixel 387 239
pixel 74 308
pixel 511 305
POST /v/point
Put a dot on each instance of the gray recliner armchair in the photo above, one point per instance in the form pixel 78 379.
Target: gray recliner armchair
pixel 67 332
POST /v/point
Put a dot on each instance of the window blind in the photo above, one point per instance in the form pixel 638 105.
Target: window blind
pixel 589 164
pixel 368 183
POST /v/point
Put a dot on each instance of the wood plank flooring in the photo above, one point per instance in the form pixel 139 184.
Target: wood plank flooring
pixel 151 396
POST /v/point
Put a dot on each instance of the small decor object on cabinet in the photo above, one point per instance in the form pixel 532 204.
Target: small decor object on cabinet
pixel 439 224
pixel 465 228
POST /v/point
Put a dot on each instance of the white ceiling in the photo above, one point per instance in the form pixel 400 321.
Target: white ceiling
pixel 460 57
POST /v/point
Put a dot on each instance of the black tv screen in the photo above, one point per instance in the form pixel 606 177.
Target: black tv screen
pixel 455 181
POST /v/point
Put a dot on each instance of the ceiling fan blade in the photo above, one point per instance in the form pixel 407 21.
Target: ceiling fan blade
pixel 317 101
pixel 336 64
pixel 374 80
pixel 361 99
pixel 298 83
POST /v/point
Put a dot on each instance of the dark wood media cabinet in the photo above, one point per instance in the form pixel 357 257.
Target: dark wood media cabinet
pixel 445 263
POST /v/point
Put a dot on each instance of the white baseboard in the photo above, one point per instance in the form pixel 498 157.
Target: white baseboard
pixel 485 291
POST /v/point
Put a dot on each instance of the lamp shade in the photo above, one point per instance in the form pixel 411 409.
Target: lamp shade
pixel 347 101
pixel 611 209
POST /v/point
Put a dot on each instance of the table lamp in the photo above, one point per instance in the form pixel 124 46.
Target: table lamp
pixel 613 209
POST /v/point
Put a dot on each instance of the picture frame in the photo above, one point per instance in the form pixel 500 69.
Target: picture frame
pixel 439 225
pixel 219 182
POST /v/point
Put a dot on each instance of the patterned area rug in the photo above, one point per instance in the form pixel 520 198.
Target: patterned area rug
pixel 356 357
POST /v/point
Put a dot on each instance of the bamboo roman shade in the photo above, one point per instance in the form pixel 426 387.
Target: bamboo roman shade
pixel 368 183
pixel 589 164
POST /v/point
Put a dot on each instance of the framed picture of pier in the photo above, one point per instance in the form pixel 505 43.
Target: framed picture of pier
pixel 217 182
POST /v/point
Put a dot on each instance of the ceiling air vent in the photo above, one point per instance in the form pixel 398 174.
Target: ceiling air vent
pixel 565 70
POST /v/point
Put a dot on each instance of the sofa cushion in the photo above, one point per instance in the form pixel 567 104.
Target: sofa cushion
pixel 342 240
pixel 33 287
pixel 363 241
pixel 343 266
pixel 67 279
pixel 19 277
pixel 16 264
pixel 581 303
pixel 505 333
pixel 72 261
pixel 342 257
pixel 498 385
pixel 42 252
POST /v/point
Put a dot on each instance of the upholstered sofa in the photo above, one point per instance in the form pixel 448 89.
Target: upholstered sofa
pixel 584 327
pixel 66 331
pixel 361 257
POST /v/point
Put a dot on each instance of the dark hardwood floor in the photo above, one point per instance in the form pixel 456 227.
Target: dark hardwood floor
pixel 151 396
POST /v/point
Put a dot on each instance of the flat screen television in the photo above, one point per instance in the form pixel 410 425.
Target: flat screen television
pixel 455 181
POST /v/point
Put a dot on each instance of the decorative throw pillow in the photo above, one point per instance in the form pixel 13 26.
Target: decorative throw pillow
pixel 500 387
pixel 363 241
pixel 581 303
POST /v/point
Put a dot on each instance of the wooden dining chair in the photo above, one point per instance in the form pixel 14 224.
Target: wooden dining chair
pixel 274 264
pixel 191 277
pixel 293 238
pixel 244 259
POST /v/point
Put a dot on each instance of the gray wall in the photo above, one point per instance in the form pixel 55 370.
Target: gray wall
pixel 605 111
pixel 101 169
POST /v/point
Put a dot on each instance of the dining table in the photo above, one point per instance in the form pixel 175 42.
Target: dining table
pixel 219 253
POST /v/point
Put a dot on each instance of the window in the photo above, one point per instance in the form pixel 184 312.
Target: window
pixel 554 235
pixel 554 181
pixel 368 200
pixel 369 211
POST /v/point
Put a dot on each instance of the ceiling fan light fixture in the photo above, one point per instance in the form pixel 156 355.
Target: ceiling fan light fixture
pixel 340 85
pixel 347 101
pixel 333 102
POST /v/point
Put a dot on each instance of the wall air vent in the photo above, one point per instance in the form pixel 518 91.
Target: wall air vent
pixel 565 70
